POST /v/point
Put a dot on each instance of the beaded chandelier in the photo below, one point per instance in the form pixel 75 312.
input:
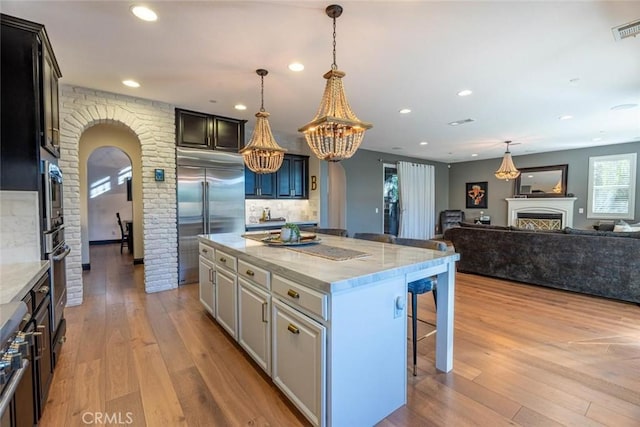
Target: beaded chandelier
pixel 262 154
pixel 507 169
pixel 335 133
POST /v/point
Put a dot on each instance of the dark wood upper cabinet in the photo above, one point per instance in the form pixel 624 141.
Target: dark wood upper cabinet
pixel 259 186
pixel 29 112
pixel 201 130
pixel 193 129
pixel 291 181
pixel 229 134
pixel 292 177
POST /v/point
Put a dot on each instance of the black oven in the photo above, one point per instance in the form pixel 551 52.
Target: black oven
pixel 53 210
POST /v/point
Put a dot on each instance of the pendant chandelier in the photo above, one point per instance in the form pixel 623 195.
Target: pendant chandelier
pixel 507 169
pixel 262 154
pixel 335 133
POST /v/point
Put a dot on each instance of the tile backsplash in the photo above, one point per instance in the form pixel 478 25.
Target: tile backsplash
pixel 19 226
pixel 292 210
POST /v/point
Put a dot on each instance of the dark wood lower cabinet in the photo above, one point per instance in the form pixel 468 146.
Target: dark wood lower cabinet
pixel 24 409
pixel 43 360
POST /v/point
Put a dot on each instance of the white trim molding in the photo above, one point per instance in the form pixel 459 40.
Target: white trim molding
pixel 543 205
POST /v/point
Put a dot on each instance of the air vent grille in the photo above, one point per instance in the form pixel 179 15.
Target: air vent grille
pixel 461 122
pixel 630 29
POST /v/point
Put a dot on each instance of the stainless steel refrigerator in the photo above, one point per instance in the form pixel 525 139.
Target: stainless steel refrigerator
pixel 210 200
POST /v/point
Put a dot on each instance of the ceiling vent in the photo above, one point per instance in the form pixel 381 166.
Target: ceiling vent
pixel 630 29
pixel 461 122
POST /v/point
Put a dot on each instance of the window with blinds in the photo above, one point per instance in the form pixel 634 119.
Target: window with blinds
pixel 612 186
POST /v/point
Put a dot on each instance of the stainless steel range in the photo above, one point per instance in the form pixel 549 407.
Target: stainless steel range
pixel 16 375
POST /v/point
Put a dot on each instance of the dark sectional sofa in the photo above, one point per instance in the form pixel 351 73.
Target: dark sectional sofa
pixel 592 262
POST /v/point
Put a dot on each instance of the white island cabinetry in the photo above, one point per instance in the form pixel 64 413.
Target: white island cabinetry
pixel 254 308
pixel 299 361
pixel 331 334
pixel 207 278
pixel 227 292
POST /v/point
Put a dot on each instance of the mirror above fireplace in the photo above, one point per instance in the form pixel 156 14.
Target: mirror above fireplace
pixel 543 181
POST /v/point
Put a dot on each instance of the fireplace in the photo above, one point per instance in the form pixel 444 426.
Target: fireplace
pixel 539 221
pixel 553 213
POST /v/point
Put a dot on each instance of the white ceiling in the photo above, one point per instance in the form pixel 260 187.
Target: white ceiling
pixel 518 57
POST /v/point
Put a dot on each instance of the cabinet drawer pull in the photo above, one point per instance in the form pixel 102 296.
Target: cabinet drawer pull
pixel 293 329
pixel 250 273
pixel 293 294
pixel 264 312
pixel 205 251
pixel 223 259
pixel 44 290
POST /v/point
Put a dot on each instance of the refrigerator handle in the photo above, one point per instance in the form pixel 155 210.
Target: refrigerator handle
pixel 204 207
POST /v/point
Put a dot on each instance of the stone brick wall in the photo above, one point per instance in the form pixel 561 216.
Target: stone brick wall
pixel 154 124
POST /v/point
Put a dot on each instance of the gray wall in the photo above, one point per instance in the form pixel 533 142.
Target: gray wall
pixel 364 173
pixel 498 190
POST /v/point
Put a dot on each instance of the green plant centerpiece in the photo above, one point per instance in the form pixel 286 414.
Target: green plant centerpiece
pixel 289 233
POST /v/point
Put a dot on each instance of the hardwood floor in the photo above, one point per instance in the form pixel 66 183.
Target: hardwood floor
pixel 524 355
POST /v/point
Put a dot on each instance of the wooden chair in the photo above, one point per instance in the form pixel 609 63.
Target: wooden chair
pixel 125 234
pixel 376 237
pixel 421 286
pixel 332 231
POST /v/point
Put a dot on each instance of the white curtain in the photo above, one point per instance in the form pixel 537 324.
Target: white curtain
pixel 416 184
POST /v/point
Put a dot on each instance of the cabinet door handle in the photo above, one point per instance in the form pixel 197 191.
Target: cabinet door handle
pixel 44 290
pixel 293 329
pixel 41 329
pixel 250 273
pixel 264 312
pixel 293 294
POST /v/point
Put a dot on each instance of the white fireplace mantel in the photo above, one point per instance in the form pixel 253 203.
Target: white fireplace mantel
pixel 545 205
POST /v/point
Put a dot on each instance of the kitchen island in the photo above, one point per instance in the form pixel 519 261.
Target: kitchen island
pixel 332 334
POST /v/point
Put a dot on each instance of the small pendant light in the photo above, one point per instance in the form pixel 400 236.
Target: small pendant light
pixel 262 154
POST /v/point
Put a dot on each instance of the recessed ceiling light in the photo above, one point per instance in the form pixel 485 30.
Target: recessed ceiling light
pixel 474 155
pixel 566 117
pixel 597 139
pixel 465 92
pixel 405 111
pixel 240 107
pixel 424 143
pixel 530 176
pixel 144 13
pixel 131 83
pixel 296 66
pixel 624 107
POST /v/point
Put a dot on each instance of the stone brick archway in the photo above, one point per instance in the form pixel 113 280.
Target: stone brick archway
pixel 153 124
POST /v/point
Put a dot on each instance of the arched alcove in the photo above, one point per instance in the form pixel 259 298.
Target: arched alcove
pixel 152 125
pixel 97 141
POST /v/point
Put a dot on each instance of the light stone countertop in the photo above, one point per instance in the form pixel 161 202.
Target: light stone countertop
pixel 17 279
pixel 384 260
pixel 278 224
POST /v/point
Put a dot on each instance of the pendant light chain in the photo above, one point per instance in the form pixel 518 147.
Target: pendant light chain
pixel 334 66
pixel 262 93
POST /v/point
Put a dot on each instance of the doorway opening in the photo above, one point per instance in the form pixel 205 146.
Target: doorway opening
pixel 391 199
pixel 109 174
